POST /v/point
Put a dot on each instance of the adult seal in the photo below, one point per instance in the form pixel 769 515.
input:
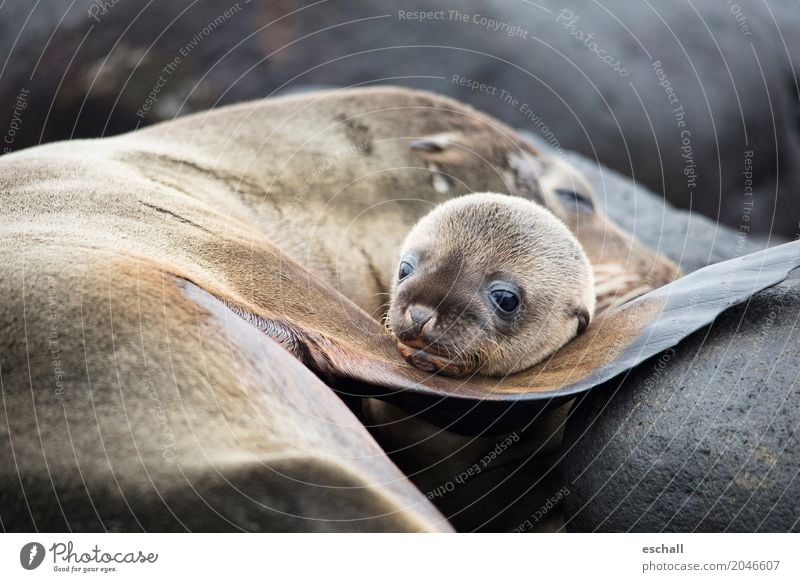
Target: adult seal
pixel 489 283
pixel 144 278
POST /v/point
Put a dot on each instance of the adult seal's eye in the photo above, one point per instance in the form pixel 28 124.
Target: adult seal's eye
pixel 576 200
pixel 405 270
pixel 504 300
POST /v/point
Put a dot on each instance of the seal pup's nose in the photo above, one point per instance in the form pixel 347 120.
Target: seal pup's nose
pixel 420 316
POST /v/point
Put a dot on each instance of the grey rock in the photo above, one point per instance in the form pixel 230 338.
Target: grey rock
pixel 703 438
pixel 730 68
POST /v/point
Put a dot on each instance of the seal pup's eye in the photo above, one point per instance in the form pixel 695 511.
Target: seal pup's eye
pixel 505 301
pixel 405 270
pixel 576 199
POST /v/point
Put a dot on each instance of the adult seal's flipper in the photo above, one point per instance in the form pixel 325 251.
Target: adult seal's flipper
pixel 615 342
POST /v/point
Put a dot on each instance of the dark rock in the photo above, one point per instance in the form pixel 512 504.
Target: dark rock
pixel 728 77
pixel 703 438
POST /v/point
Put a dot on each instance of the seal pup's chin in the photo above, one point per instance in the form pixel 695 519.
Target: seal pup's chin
pixel 425 358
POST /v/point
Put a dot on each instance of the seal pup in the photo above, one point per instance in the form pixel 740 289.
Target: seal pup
pixel 489 283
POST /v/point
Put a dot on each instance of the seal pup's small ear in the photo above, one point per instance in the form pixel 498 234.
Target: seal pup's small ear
pixel 584 317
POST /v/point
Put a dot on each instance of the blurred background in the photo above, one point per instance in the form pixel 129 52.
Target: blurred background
pixel 697 100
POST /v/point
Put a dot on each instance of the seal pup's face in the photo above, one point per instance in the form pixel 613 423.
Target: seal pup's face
pixel 489 284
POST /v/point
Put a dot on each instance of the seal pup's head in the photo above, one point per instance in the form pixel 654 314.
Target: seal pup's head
pixel 489 284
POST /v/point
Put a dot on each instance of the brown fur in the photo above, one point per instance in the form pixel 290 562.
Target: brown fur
pixel 321 191
pixel 125 251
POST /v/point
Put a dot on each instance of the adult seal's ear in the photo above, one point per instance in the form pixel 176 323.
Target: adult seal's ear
pixel 433 143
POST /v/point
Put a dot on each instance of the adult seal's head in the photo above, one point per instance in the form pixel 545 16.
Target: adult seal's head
pixel 489 284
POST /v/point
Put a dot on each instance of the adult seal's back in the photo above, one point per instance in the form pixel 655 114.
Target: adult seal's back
pixel 489 283
pixel 338 178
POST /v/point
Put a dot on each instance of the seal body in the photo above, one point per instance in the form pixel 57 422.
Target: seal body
pixel 489 283
pixel 337 179
pixel 144 270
